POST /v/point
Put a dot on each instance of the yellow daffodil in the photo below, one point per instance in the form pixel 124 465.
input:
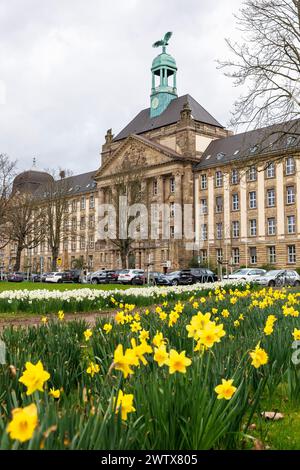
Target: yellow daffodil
pixel 61 315
pixel 23 424
pixel 44 320
pixel 135 327
pixel 177 362
pixel 296 334
pixel 107 327
pixel 144 335
pixel 123 361
pixel 125 404
pixel 225 390
pixel 158 339
pixel 87 334
pixel 160 355
pixel 54 393
pixel 259 357
pixel 93 369
pixel 34 377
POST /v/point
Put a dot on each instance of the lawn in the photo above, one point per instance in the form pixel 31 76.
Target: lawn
pixel 4 285
pixel 192 373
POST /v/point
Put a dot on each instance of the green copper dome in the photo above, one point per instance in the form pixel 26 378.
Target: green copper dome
pixel 164 60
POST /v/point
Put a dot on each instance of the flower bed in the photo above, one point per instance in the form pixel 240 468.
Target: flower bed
pixel 83 300
pixel 190 375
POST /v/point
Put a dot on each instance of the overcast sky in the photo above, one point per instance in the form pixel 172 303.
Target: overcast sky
pixel 71 69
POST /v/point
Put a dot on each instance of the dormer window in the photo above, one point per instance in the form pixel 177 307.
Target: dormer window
pixel 290 140
pixel 253 149
pixel 220 155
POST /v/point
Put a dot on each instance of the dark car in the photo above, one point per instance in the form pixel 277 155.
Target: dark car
pixel 101 277
pixel 43 276
pixel 182 277
pixel 113 275
pixel 203 275
pixel 15 277
pixel 35 277
pixel 157 278
pixel 72 275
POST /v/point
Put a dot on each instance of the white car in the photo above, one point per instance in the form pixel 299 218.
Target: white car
pixel 247 274
pixel 54 277
pixel 132 276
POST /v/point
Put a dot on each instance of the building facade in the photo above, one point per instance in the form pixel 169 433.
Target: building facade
pixel 242 190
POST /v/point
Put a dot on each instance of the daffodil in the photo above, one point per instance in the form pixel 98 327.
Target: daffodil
pixel 122 361
pixel 296 334
pixel 23 424
pixel 177 362
pixel 160 355
pixel 225 389
pixel 93 369
pixel 87 334
pixel 107 327
pixel 34 377
pixel 61 315
pixel 54 393
pixel 259 357
pixel 125 404
pixel 158 339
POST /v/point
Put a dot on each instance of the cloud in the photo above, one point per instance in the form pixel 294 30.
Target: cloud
pixel 71 69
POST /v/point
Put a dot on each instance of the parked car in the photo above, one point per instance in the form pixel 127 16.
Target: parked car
pixel 74 275
pixel 156 278
pixel 54 277
pixel 132 276
pixel 247 274
pixel 180 277
pixel 43 276
pixel 203 275
pixel 100 277
pixel 35 277
pixel 279 277
pixel 162 280
pixel 15 277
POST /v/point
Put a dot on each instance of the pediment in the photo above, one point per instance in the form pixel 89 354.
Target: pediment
pixel 134 153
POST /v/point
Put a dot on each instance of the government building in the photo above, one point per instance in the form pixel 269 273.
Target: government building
pixel 243 189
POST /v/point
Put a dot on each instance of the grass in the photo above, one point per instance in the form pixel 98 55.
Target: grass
pixel 5 285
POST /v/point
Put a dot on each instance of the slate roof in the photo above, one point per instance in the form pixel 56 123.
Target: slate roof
pixel 143 122
pixel 77 184
pixel 271 139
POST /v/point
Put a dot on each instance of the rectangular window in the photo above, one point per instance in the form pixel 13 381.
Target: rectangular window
pixel 172 209
pixel 219 204
pixel 82 203
pixel 91 221
pixel 82 223
pixel 219 230
pixel 203 256
pixel 172 231
pixel 74 206
pixel 252 200
pixel 272 254
pixel 235 202
pixel 235 256
pixel 82 243
pixel 271 226
pixel 73 244
pixel 203 181
pixel 290 195
pixel 253 255
pixel 203 206
pixel 252 228
pixel 291 254
pixel 270 170
pixel 252 174
pixel 91 242
pixel 219 255
pixel 66 244
pixel 92 201
pixel 154 187
pixel 291 224
pixel 234 176
pixel 219 179
pixel 172 185
pixel 271 197
pixel 235 229
pixel 290 166
pixel 204 232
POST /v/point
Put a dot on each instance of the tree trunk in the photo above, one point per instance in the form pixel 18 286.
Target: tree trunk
pixel 54 259
pixel 18 259
pixel 123 259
